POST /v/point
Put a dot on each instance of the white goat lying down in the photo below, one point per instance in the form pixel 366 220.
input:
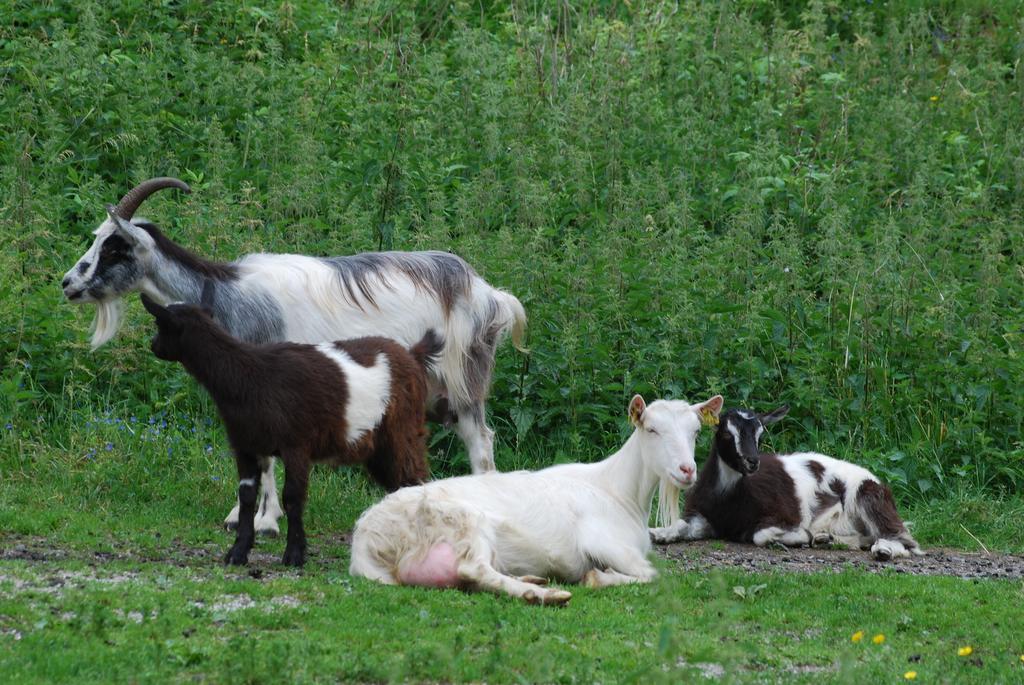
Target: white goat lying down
pixel 508 532
pixel 792 499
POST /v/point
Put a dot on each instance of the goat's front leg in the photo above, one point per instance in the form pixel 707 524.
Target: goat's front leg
pixel 296 484
pixel 795 537
pixel 695 527
pixel 596 578
pixel 616 561
pixel 248 471
pixel 626 565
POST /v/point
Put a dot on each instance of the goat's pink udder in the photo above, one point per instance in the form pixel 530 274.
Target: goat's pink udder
pixel 439 568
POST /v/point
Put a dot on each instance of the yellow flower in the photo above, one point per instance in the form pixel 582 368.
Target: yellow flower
pixel 859 635
pixel 965 651
pixel 910 675
pixel 878 639
pixel 934 98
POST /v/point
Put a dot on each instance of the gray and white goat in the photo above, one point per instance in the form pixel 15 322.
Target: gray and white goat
pixel 263 298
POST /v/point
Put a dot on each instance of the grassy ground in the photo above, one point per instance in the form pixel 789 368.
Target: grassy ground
pixel 184 618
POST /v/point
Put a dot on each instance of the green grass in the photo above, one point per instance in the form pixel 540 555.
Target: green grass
pixel 154 622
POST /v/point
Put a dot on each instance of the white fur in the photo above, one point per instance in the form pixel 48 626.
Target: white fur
pixel 562 522
pixel 369 390
pixel 269 510
pixel 838 519
pixel 316 307
pixel 247 482
pixel 735 437
pixel 832 523
pixel 694 528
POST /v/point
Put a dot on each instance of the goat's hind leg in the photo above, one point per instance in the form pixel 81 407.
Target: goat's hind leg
pixel 477 436
pixel 269 509
pixel 480 575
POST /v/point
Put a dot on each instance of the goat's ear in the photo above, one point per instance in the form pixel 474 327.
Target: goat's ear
pixel 774 415
pixel 708 410
pixel 159 312
pixel 130 232
pixel 206 299
pixel 637 406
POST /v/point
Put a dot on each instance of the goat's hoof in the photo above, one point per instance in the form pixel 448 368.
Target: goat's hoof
pixel 268 531
pixel 821 540
pixel 882 554
pixel 590 579
pixel 236 557
pixel 230 525
pixel 534 580
pixel 294 556
pixel 547 597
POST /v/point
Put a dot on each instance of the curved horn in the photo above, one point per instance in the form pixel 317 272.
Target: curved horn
pixel 137 195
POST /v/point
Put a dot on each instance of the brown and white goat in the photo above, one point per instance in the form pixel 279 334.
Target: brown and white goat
pixel 359 401
pixel 797 499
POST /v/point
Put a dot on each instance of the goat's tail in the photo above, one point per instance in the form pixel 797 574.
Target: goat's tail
pixel 427 350
pixel 515 316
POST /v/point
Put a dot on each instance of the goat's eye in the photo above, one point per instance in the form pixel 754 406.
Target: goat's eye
pixel 651 430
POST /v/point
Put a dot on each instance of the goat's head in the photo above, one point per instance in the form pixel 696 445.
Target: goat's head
pixel 115 263
pixel 739 433
pixel 175 321
pixel 667 433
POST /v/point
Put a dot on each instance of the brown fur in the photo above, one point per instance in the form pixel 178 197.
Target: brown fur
pixel 817 469
pixel 876 500
pixel 289 400
pixel 765 498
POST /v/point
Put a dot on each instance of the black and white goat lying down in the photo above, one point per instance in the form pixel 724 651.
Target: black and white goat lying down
pixel 797 499
pixel 359 401
pixel 263 298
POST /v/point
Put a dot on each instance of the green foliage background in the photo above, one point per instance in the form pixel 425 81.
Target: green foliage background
pixel 814 203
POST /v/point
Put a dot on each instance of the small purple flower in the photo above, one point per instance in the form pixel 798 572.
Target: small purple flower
pixel 209 448
pixel 109 446
pixel 215 478
pixel 8 426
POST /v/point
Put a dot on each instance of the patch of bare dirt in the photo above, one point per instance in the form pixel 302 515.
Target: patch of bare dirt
pixel 705 554
pixel 329 552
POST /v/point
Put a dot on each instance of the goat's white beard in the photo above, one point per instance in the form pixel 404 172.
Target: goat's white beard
pixel 109 314
pixel 668 504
